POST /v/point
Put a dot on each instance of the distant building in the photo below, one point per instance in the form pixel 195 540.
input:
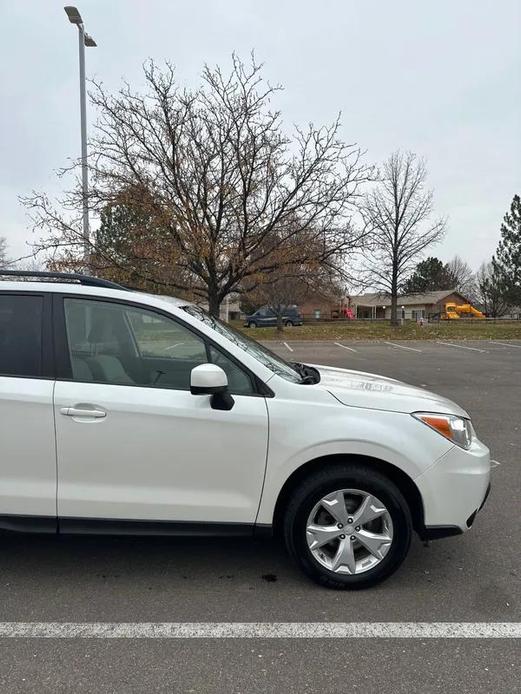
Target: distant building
pixel 415 306
pixel 322 306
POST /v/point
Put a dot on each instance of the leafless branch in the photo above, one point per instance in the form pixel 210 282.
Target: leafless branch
pixel 397 213
pixel 231 195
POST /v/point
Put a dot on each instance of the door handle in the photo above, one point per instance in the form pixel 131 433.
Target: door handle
pixel 80 412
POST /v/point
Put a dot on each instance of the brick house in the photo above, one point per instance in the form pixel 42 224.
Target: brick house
pixel 410 306
pixel 322 306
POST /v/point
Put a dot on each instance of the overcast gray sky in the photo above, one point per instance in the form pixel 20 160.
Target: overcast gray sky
pixel 440 78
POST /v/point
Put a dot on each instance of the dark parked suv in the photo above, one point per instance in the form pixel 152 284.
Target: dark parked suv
pixel 266 316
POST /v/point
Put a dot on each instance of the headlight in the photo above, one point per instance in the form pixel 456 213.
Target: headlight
pixel 456 429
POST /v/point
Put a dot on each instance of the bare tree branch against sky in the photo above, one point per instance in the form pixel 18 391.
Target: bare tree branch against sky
pixel 235 199
pixel 441 79
pixel 398 216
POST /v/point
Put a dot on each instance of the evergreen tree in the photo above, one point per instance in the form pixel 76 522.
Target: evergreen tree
pixel 488 292
pixel 507 260
pixel 429 275
pixel 133 234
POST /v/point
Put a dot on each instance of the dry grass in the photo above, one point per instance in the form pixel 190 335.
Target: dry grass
pixel 368 330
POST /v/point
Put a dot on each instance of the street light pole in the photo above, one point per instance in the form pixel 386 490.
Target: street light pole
pixel 83 40
pixel 84 170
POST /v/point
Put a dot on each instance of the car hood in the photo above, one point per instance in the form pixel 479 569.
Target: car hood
pixel 360 389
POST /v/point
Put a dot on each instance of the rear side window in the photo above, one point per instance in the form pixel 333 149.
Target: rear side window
pixel 21 335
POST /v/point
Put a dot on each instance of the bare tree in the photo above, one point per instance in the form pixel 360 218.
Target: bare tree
pixel 4 262
pixel 461 277
pixel 489 291
pixel 222 178
pixel 397 214
pixel 292 284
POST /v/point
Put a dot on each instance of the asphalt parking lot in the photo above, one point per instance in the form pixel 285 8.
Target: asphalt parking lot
pixel 472 578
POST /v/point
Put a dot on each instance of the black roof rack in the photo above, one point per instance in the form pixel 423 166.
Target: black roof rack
pixel 86 280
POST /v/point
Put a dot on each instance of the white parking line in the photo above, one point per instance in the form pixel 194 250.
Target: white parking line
pixel 411 349
pixel 286 345
pixel 473 349
pixel 261 630
pixel 505 344
pixel 345 347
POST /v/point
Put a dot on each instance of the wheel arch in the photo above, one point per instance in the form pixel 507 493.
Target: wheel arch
pixel 402 480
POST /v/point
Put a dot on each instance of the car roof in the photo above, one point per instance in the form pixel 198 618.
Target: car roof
pixel 88 290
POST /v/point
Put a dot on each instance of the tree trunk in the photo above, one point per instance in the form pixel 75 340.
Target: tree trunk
pixel 280 327
pixel 394 299
pixel 214 303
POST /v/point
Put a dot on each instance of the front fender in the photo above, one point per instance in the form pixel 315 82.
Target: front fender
pixel 303 431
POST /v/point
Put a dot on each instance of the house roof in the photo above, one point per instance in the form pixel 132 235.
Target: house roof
pixel 381 299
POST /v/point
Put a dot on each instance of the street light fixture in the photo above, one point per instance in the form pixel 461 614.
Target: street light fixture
pixel 73 14
pixel 84 40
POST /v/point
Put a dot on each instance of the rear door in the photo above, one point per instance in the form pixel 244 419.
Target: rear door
pixel 27 441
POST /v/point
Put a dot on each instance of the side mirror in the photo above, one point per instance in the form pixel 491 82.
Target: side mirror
pixel 210 379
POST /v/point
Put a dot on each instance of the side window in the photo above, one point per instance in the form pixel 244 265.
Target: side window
pixel 162 338
pixel 239 381
pixel 125 345
pixel 21 335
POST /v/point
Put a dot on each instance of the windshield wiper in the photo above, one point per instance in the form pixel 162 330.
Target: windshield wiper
pixel 307 373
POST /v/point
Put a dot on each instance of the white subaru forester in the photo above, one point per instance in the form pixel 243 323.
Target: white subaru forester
pixel 123 412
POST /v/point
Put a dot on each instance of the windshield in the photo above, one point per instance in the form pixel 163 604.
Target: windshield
pixel 273 362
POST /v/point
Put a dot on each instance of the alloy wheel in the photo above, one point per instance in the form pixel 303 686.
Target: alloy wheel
pixel 349 531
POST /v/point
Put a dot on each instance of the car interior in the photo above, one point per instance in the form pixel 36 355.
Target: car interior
pixel 113 343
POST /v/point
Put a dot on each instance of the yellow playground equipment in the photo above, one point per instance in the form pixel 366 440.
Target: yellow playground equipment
pixel 461 311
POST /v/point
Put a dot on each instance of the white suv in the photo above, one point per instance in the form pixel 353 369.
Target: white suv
pixel 123 412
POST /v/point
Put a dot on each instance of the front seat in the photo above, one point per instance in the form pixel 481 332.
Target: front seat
pixel 109 369
pixel 106 368
pixel 81 371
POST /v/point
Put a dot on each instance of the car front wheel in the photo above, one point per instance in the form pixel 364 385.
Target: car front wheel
pixel 348 527
pixel 252 325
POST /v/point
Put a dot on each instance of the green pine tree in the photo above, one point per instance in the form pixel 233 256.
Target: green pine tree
pixel 507 260
pixel 429 275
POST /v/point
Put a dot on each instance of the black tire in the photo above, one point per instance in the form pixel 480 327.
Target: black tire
pixel 252 325
pixel 289 324
pixel 326 481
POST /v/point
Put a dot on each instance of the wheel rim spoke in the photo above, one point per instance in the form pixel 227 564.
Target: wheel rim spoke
pixel 376 543
pixel 370 509
pixel 345 556
pixel 335 505
pixel 319 535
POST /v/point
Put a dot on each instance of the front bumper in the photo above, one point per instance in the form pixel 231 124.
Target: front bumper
pixel 453 490
pixel 437 532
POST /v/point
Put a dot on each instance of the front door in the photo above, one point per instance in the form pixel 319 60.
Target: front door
pixel 132 442
pixel 27 444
